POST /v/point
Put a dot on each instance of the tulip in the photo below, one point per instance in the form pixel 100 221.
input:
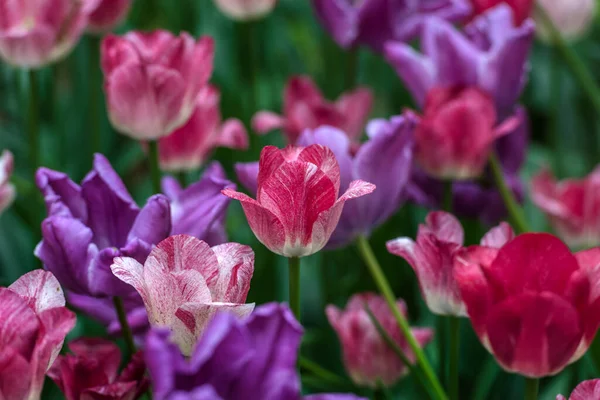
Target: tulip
pixel 491 54
pixel 586 390
pixel 251 359
pixel 572 205
pixel 306 108
pixel 107 15
pixel 37 33
pixel 90 372
pixel 200 209
pixel 532 302
pixel 34 322
pixel 7 189
pixel 374 22
pixel 521 8
pixel 297 206
pixel 245 10
pixel 367 357
pixel 432 255
pixel 572 18
pixel 152 80
pixel 188 147
pixel 184 282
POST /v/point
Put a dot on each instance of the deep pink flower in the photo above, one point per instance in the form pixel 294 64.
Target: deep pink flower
pixel 33 326
pixel 521 8
pixel 191 145
pixel 107 15
pixel 245 10
pixel 7 189
pixel 152 80
pixel 573 206
pixel 456 133
pixel 304 107
pixel 432 257
pixel 91 372
pixel 586 390
pixel 367 357
pixel 34 33
pixel 297 206
pixel 184 282
pixel 533 304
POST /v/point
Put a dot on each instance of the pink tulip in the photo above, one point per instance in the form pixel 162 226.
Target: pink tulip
pixel 367 357
pixel 432 258
pixel 305 108
pixel 152 80
pixel 245 10
pixel 297 206
pixel 34 33
pixel 7 189
pixel 191 145
pixel 184 282
pixel 33 326
pixel 586 390
pixel 108 15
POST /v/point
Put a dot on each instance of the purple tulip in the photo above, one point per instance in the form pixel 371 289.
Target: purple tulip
pixel 374 22
pixel 250 359
pixel 491 54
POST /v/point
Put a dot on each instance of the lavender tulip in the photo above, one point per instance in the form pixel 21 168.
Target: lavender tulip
pixel 374 22
pixel 491 54
pixel 251 359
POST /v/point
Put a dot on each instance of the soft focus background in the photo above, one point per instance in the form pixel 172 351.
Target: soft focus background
pixel 253 62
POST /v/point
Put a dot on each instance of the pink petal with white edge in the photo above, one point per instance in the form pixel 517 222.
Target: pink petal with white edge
pixel 498 236
pixel 182 252
pixel 230 282
pixel 266 121
pixel 544 193
pixel 233 135
pixel 445 226
pixel 403 247
pixel 40 289
pixel 586 390
pixel 131 272
pixel 325 160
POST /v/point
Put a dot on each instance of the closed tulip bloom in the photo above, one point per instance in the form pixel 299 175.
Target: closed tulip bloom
pixel 432 255
pixel 7 189
pixel 190 146
pixel 91 372
pixel 367 356
pixel 304 107
pixel 152 80
pixel 35 33
pixel 297 206
pixel 586 390
pixel 245 10
pixel 572 205
pixel 108 15
pixel 532 302
pixel 184 282
pixel 34 322
pixel 572 18
pixel 521 8
pixel 374 22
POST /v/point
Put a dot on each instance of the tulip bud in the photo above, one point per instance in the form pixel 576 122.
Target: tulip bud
pixel 108 15
pixel 7 189
pixel 245 10
pixel 572 18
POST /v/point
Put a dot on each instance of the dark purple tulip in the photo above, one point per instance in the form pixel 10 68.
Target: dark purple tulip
pixel 200 209
pixel 250 359
pixel 374 22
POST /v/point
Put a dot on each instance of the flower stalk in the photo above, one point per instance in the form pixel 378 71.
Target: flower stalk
pixel 294 285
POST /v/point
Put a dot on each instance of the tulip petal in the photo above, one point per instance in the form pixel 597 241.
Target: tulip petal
pixel 247 174
pixel 61 195
pixel 266 121
pixel 233 135
pixel 356 106
pixel 40 289
pixel 498 236
pixel 416 71
pixel 230 281
pixel 153 223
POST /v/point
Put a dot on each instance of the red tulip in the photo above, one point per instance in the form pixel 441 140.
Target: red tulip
pixel 107 15
pixel 297 206
pixel 586 390
pixel 521 8
pixel 533 304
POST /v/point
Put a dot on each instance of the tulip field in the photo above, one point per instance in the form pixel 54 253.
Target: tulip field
pixel 286 200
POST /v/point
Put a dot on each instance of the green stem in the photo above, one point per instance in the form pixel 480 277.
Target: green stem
pixel 33 122
pixel 294 281
pixel 447 204
pixel 514 210
pixel 532 387
pixel 322 373
pixel 125 328
pixel 182 179
pixel 441 334
pixel 154 166
pixel 454 335
pixel 352 58
pixel 380 392
pixel 385 289
pixel 95 83
pixel 485 379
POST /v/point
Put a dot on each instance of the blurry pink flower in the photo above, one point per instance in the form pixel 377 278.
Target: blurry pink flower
pixel 367 357
pixel 571 17
pixel 297 206
pixel 33 326
pixel 457 130
pixel 108 15
pixel 586 390
pixel 184 282
pixel 36 33
pixel 152 80
pixel 572 205
pixel 304 107
pixel 432 257
pixel 191 145
pixel 7 189
pixel 245 10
